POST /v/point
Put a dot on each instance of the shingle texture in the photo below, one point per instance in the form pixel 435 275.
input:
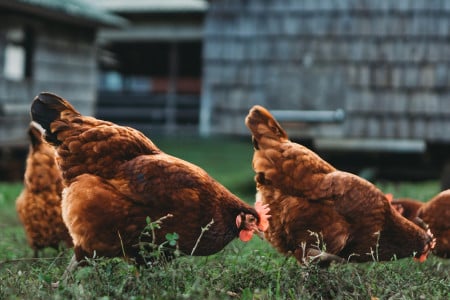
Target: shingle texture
pixel 386 63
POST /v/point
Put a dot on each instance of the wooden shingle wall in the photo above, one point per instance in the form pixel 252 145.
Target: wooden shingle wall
pixel 386 63
pixel 64 62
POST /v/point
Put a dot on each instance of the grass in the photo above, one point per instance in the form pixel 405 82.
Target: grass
pixel 252 270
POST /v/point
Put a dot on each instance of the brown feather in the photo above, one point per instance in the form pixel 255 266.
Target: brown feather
pixel 435 213
pixel 349 215
pixel 117 177
pixel 39 204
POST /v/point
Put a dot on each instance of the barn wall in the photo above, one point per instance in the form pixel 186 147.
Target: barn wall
pixel 64 62
pixel 386 63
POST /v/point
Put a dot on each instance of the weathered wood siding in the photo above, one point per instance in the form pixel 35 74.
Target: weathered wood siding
pixel 386 63
pixel 64 62
pixel 149 113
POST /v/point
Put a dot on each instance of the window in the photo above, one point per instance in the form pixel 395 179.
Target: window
pixel 18 54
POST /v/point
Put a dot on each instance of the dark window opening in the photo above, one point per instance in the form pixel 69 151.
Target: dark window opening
pixel 18 55
pixel 146 67
pixel 148 84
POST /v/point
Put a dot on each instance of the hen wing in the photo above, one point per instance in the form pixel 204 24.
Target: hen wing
pixel 101 149
pixel 436 212
pixel 354 198
pixel 297 171
pixel 290 167
pixel 165 180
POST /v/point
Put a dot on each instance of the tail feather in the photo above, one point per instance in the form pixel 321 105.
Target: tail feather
pixel 262 124
pixel 47 108
pixel 35 132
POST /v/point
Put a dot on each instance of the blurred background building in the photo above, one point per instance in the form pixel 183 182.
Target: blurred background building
pixel 150 71
pixel 344 77
pixel 47 46
pixel 44 46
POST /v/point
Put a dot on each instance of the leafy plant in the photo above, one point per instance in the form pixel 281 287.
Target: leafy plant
pixel 172 238
pixel 153 253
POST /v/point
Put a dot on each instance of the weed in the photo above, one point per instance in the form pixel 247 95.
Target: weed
pixel 150 251
pixel 204 229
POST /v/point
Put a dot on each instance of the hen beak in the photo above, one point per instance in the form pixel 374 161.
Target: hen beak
pixel 259 233
pixel 247 224
pixel 257 230
pixel 428 248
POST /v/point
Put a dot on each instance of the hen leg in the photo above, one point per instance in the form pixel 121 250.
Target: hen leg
pixel 322 258
pixel 73 264
pixel 76 261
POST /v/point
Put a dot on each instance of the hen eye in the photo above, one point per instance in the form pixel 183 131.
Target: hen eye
pixel 251 219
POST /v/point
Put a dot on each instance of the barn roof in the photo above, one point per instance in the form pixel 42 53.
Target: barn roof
pixel 68 11
pixel 156 20
pixel 153 6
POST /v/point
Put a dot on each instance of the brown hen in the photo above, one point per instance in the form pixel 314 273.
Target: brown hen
pixel 39 204
pixel 435 214
pixel 116 178
pixel 315 207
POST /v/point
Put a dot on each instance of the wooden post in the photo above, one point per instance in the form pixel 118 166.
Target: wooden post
pixel 205 109
pixel 171 102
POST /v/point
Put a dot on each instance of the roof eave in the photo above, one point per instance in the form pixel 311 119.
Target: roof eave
pixel 61 16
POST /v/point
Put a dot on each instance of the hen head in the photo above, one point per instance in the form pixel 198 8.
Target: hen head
pixel 431 243
pixel 248 224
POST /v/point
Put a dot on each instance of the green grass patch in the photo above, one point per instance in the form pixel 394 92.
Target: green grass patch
pixel 422 191
pixel 8 195
pixel 252 270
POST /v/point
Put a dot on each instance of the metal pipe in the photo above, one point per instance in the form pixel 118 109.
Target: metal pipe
pixel 309 116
